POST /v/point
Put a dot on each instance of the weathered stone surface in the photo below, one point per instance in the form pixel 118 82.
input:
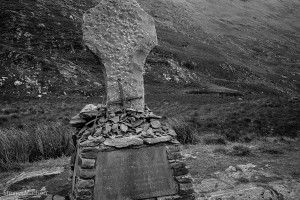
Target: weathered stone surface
pixel 153 116
pixel 155 124
pixel 84 197
pixel 137 123
pixel 90 149
pixel 138 130
pixel 122 34
pixel 146 126
pixel 83 184
pixel 211 185
pixel 150 132
pixel 186 188
pixel 173 148
pixel 114 127
pixel 157 139
pixel 76 121
pixel 87 163
pixel 172 132
pixel 123 142
pixel 173 197
pixel 98 132
pixel 35 174
pixel 89 155
pixel 89 108
pixel 115 119
pixel 184 179
pixel 174 156
pixel 86 173
pixel 245 168
pixel 84 192
pixel 177 165
pixel 99 139
pixel 49 197
pixel 181 171
pixel 57 197
pixel 124 128
pixel 134 174
pixel 174 141
pixel 89 143
pixel 89 111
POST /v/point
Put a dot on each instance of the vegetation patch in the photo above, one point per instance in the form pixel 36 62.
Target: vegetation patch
pixel 186 134
pixel 236 150
pixel 221 150
pixel 41 142
pixel 240 150
pixel 213 139
pixel 271 149
pixel 248 121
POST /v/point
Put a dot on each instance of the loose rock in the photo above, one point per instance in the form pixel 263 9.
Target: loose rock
pixel 155 124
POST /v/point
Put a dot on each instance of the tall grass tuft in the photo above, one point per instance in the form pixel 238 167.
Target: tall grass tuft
pixel 186 133
pixel 31 144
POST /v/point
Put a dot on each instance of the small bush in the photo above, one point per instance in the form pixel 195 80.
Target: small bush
pixel 186 134
pixel 240 150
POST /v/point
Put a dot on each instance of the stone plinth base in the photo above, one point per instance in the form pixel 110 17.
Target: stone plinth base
pixel 128 155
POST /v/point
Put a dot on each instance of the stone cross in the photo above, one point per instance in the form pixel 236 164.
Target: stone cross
pixel 122 34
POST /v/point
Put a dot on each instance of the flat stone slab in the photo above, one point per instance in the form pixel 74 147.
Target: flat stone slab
pixel 133 174
pixel 123 142
pixel 157 139
pixel 34 174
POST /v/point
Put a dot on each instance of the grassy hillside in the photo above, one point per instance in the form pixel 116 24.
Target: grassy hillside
pixel 233 42
pixel 226 68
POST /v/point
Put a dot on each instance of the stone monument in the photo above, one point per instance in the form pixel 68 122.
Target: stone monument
pixel 124 151
pixel 122 34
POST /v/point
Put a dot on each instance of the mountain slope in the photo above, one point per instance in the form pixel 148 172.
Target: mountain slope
pixel 252 41
pixel 41 50
pixel 247 46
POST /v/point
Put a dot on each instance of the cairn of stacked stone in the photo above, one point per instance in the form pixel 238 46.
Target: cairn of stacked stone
pixel 95 125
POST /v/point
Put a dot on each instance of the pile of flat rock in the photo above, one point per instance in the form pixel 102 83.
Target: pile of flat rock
pixel 95 124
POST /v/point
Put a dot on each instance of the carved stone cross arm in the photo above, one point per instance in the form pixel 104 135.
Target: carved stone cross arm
pixel 122 34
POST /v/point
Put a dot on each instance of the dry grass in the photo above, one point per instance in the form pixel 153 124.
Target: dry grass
pixel 235 150
pixel 186 134
pixel 41 142
pixel 213 139
pixel 271 148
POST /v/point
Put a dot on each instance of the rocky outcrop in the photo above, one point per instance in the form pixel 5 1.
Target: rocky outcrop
pixel 246 182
